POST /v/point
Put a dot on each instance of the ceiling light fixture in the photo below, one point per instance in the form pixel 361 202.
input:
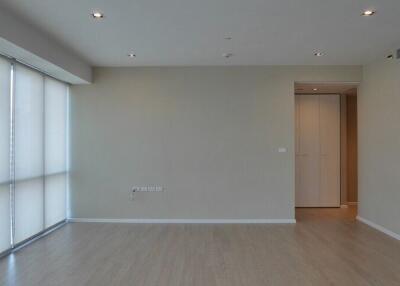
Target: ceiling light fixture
pixel 228 38
pixel 132 55
pixel 97 15
pixel 318 54
pixel 315 89
pixel 368 13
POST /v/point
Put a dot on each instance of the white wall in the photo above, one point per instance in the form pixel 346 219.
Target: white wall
pixel 379 145
pixel 209 135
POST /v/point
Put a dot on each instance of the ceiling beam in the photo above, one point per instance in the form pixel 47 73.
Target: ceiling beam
pixel 27 44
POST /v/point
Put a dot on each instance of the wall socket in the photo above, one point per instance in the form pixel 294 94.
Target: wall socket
pixel 145 189
pixel 148 189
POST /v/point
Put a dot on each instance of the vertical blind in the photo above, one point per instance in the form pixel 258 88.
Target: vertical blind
pixel 33 169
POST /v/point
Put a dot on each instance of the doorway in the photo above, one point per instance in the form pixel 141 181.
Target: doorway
pixel 326 145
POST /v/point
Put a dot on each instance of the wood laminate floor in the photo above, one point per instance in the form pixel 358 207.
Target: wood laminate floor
pixel 325 247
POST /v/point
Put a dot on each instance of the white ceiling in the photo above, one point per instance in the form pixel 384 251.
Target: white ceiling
pixel 191 32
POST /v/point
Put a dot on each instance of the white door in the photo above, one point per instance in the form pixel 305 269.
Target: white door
pixel 317 150
pixel 307 153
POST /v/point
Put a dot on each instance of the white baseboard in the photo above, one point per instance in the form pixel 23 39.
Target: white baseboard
pixel 187 221
pixel 379 227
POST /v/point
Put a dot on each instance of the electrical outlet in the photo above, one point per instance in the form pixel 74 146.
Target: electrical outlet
pixel 145 189
pixel 148 189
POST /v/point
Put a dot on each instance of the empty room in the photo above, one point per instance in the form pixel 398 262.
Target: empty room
pixel 210 143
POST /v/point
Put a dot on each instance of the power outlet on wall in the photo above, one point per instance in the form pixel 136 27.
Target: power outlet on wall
pixel 145 189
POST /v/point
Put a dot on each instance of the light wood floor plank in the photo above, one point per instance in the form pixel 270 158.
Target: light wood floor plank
pixel 325 247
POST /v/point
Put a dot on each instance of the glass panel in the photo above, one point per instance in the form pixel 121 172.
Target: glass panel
pixel 5 69
pixel 29 156
pixel 55 199
pixel 28 208
pixel 55 126
pixel 5 241
pixel 55 151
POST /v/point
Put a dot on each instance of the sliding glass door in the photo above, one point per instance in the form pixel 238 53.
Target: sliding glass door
pixel 33 144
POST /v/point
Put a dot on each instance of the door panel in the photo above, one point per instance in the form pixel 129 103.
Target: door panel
pixel 329 105
pixel 317 150
pixel 307 157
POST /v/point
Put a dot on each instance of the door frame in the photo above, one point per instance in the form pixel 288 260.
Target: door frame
pixel 350 84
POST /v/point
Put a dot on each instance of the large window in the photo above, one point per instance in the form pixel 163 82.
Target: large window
pixel 33 144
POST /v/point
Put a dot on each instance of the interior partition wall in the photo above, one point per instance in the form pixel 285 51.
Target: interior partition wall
pixel 33 153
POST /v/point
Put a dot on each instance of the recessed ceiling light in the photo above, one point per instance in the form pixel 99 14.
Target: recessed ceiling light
pixel 227 55
pixel 315 89
pixel 318 54
pixel 97 15
pixel 368 13
pixel 132 55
